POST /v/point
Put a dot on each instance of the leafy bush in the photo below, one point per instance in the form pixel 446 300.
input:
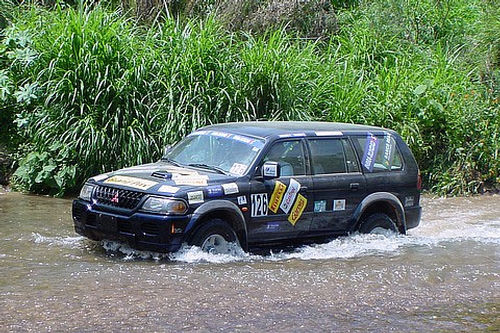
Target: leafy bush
pixel 94 89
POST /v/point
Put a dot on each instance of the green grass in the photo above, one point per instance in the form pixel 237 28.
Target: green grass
pixel 92 90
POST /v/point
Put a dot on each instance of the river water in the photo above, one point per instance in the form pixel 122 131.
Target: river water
pixel 443 276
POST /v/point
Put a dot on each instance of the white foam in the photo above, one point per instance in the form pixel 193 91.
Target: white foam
pixel 58 240
pixel 356 245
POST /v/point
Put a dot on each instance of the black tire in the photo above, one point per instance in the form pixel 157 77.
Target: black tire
pixel 378 220
pixel 211 228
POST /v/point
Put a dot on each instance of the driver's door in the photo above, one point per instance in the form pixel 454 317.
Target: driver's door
pixel 281 208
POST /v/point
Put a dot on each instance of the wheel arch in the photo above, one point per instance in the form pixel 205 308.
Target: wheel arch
pixel 381 202
pixel 220 209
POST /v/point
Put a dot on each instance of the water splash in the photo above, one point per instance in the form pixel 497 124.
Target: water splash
pixel 72 242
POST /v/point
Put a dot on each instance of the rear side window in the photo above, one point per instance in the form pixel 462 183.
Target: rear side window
pixel 379 153
pixel 332 156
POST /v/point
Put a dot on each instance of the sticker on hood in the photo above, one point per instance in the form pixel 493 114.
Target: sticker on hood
pixel 168 189
pixel 193 180
pixel 133 182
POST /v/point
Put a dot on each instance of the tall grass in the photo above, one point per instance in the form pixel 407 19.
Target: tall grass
pixel 91 91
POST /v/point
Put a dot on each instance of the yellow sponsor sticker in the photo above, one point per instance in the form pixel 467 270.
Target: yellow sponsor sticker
pixel 133 182
pixel 297 209
pixel 277 196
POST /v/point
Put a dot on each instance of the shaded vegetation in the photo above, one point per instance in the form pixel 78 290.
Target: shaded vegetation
pixel 85 90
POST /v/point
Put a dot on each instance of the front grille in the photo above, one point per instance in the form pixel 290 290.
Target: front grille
pixel 115 197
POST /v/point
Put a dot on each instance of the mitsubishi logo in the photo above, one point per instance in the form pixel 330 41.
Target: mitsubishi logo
pixel 115 198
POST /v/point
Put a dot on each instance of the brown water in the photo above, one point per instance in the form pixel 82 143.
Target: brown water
pixel 443 276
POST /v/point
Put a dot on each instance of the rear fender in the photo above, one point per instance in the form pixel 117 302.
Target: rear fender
pixel 381 202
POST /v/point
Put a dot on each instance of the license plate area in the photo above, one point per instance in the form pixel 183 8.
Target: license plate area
pixel 107 223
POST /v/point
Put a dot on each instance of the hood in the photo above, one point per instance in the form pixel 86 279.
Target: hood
pixel 162 177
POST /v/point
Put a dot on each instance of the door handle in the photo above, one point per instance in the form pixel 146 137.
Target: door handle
pixel 303 189
pixel 354 186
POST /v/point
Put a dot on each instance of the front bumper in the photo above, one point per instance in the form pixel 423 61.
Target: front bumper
pixel 142 231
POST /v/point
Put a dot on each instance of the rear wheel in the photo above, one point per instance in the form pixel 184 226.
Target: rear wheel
pixel 215 236
pixel 378 223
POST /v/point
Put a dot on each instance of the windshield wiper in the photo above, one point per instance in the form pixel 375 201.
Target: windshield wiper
pixel 209 167
pixel 166 159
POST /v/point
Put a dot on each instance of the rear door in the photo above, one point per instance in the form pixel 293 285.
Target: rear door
pixel 281 208
pixel 339 186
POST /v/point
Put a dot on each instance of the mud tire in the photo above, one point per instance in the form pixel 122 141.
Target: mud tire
pixel 210 229
pixel 378 220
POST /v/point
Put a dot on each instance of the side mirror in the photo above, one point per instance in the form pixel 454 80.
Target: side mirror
pixel 271 170
pixel 166 149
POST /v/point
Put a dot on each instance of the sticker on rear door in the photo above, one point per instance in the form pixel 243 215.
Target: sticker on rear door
pixel 339 204
pixel 259 204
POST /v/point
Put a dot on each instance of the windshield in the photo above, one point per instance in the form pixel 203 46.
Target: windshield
pixel 226 152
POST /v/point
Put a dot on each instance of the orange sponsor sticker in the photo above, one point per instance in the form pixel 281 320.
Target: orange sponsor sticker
pixel 277 196
pixel 297 209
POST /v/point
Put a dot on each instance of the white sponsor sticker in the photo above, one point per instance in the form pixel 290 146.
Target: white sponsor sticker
pixel 328 133
pixel 194 180
pixel 242 200
pixel 230 188
pixel 168 189
pixel 290 194
pixel 270 170
pixel 100 177
pixel 238 168
pixel 259 204
pixel 195 197
pixel 339 204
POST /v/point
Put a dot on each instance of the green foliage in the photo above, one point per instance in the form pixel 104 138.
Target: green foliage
pixel 93 89
pixel 46 172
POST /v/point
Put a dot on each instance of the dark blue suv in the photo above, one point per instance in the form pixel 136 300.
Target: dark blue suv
pixel 257 184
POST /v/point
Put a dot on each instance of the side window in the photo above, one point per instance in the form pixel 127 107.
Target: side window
pixel 327 156
pixel 352 161
pixel 379 153
pixel 290 155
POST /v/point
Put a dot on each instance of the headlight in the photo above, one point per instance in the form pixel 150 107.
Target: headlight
pixel 86 192
pixel 164 206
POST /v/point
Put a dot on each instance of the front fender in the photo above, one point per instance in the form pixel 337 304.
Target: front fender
pixel 386 197
pixel 225 207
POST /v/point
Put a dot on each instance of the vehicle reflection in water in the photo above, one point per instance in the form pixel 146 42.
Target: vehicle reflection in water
pixel 443 276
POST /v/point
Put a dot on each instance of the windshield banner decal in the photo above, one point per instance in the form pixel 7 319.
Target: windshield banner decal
pixel 370 152
pixel 249 141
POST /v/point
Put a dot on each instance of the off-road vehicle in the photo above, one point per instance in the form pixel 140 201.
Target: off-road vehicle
pixel 257 183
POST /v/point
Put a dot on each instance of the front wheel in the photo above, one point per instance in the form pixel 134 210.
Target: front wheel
pixel 215 236
pixel 377 224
